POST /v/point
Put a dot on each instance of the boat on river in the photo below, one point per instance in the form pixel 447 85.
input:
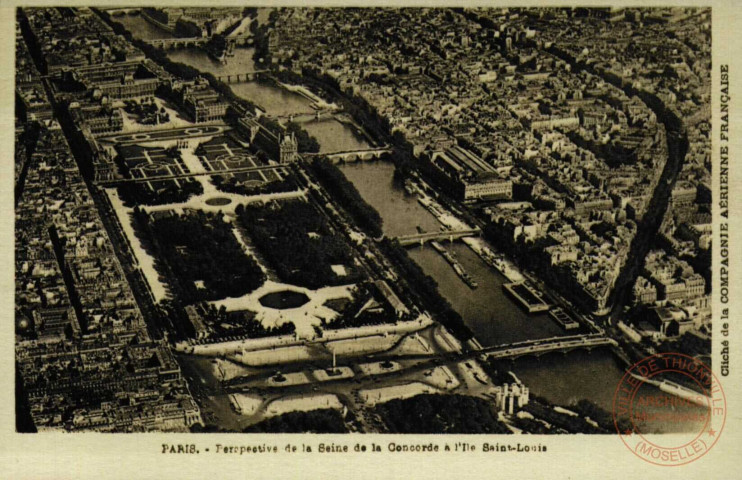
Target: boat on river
pixel 451 259
pixel 564 319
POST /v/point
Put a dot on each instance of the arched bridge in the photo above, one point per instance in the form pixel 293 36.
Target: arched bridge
pixel 186 42
pixel 450 235
pixel 241 77
pixel 555 344
pixel 174 43
pixel 302 117
pixel 354 155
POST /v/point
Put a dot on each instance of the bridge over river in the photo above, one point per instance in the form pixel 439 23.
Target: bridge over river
pixel 423 362
pixel 554 344
pixel 450 235
pixel 241 77
pixel 187 42
pixel 353 155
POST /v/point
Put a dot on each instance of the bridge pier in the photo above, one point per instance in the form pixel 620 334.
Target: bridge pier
pixel 238 77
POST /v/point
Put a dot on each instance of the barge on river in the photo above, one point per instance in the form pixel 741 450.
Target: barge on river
pixel 527 296
pixel 455 265
pixel 563 318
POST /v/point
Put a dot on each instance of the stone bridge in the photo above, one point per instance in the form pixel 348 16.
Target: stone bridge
pixel 241 77
pixel 450 235
pixel 178 43
pixel 187 42
pixel 354 155
pixel 304 117
pixel 555 344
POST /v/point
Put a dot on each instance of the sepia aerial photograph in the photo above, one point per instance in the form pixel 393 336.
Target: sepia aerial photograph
pixel 361 220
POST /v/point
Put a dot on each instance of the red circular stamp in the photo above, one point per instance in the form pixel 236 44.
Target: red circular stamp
pixel 669 409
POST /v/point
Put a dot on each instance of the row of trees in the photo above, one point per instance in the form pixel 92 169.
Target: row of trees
pixel 441 414
pixel 298 243
pixel 561 421
pixel 345 193
pixel 426 289
pixel 314 421
pixel 166 191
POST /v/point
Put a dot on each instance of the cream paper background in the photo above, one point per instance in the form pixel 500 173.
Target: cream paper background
pixel 137 456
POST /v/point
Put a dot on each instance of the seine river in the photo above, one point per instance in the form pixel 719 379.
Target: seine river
pixel 141 28
pixel 493 317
